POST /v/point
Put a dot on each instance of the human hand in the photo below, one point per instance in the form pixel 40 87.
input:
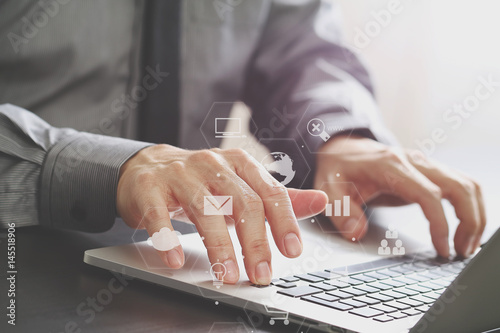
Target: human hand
pixel 390 176
pixel 162 179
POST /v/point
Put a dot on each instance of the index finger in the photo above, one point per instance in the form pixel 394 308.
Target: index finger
pixel 414 187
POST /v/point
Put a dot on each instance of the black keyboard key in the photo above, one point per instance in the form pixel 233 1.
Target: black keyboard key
pixel 326 297
pixel 299 291
pixel 392 283
pixel 353 303
pixel 410 302
pixel 392 294
pixel 397 315
pixel 290 279
pixel 323 286
pixel 333 305
pixel 411 312
pixel 276 281
pixel 379 286
pixel 286 285
pixel 380 297
pixel 338 284
pixel 423 299
pixel 366 300
pixel 354 291
pixel 363 277
pixel 384 308
pixel 309 278
pixel 324 275
pixel 367 288
pixel 366 312
pixel 383 318
pixel 339 294
pixel 397 305
pixel 406 291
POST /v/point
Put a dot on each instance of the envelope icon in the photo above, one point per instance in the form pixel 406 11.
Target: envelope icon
pixel 218 205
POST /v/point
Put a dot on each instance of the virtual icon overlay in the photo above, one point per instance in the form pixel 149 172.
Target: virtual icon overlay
pixel 316 127
pixel 336 208
pixel 228 128
pixel 218 205
pixel 218 271
pixel 280 166
pixel 398 248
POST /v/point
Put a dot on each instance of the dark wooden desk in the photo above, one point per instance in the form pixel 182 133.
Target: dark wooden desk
pixel 52 281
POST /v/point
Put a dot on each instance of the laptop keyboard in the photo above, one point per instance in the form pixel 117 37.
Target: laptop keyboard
pixel 383 290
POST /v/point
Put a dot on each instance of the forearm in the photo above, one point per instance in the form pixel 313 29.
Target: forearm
pixel 58 177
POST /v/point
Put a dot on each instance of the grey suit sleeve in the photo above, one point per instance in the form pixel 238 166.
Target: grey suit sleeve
pixel 58 177
pixel 302 71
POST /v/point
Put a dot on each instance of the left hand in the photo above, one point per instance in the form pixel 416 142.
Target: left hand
pixel 390 176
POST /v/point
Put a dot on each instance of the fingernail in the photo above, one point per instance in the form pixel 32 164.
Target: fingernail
pixel 292 245
pixel 174 258
pixel 263 273
pixel 232 271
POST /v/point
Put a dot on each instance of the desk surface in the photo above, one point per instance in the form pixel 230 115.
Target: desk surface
pixel 52 279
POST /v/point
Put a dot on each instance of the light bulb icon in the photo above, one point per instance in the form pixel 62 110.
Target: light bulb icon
pixel 218 272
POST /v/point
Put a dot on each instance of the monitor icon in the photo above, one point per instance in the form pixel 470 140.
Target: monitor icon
pixel 228 128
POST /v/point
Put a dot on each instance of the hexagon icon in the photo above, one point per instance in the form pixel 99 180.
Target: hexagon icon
pixel 285 162
pixel 346 193
pixel 316 126
pixel 220 123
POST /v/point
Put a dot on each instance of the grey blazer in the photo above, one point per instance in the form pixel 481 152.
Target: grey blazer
pixel 71 79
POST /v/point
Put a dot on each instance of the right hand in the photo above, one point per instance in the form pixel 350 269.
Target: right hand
pixel 162 179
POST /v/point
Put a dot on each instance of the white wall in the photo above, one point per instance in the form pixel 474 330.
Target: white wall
pixel 427 58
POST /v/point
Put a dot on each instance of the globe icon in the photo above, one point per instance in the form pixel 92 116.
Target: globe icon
pixel 280 166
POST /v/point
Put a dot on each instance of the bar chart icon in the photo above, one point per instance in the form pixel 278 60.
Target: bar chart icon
pixel 336 207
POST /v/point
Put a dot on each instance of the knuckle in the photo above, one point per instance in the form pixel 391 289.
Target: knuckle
pixel 465 187
pixel 204 156
pixel 253 203
pixel 176 167
pixel 218 241
pixel 144 177
pixel 258 245
pixel 436 193
pixel 392 155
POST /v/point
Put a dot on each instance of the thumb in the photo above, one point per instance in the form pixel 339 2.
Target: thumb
pixel 307 203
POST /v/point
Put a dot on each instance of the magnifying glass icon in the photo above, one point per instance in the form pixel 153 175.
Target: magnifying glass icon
pixel 316 127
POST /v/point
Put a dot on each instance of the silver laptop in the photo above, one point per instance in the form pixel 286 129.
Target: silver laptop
pixel 336 285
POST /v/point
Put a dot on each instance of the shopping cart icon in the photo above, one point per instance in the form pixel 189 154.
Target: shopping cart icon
pixel 274 312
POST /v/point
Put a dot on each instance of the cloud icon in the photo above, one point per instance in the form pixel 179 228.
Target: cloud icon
pixel 165 239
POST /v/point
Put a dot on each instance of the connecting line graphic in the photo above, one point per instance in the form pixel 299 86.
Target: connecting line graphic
pixel 277 312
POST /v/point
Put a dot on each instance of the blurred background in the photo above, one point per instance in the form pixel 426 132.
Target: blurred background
pixel 427 60
pixel 426 57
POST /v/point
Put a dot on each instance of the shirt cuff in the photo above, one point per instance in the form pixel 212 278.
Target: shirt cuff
pixel 79 180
